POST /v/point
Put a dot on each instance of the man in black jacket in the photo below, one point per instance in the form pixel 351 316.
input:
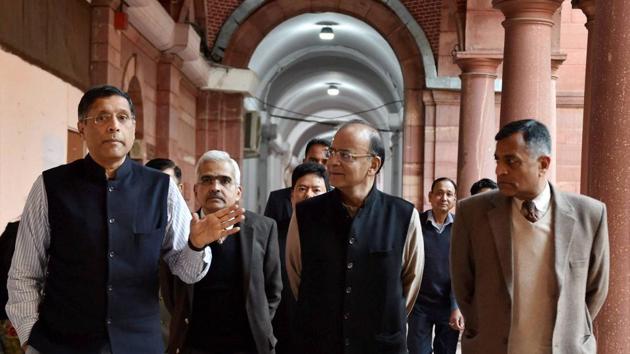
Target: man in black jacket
pixel 354 255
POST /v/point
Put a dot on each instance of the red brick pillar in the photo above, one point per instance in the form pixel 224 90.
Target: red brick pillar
pixel 608 172
pixel 203 123
pixel 527 54
pixel 556 61
pixel 168 77
pixel 588 7
pixel 232 124
pixel 105 61
pixel 477 122
pixel 220 123
pixel 413 153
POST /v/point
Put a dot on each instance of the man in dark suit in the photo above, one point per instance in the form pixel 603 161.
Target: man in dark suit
pixel 529 263
pixel 308 180
pixel 279 203
pixel 230 310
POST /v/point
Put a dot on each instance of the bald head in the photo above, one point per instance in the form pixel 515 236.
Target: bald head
pixel 365 130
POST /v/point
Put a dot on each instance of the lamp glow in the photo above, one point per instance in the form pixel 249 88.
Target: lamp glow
pixel 326 34
pixel 332 90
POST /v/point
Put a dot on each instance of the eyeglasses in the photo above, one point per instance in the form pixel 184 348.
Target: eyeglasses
pixel 209 180
pixel 345 155
pixel 104 118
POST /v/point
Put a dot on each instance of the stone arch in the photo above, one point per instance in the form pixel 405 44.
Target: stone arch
pixel 274 13
pixel 135 93
pixel 397 27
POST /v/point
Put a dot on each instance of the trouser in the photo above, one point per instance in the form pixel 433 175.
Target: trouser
pixel 421 323
pixel 194 351
pixel 105 350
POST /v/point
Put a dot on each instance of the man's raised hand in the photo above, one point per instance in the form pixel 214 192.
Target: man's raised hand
pixel 215 226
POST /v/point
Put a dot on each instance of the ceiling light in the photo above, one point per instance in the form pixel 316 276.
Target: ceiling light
pixel 333 90
pixel 326 33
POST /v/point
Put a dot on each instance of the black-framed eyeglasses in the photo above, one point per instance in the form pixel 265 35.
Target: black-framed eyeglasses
pixel 345 155
pixel 103 118
pixel 209 180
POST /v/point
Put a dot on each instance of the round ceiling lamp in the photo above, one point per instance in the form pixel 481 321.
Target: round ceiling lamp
pixel 326 33
pixel 333 90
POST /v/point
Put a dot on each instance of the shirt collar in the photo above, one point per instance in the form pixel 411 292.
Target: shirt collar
pixel 542 200
pixel 440 228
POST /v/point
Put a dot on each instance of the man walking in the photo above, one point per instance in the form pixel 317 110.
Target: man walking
pixel 354 255
pixel 230 310
pixel 436 308
pixel 90 238
pixel 529 263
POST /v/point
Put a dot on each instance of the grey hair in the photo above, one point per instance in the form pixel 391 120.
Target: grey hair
pixel 217 156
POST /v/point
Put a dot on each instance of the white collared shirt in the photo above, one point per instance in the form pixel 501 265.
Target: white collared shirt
pixel 440 227
pixel 542 201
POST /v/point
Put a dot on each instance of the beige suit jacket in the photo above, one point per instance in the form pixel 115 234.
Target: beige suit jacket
pixel 481 267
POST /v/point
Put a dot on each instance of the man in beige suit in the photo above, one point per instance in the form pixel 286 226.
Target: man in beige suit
pixel 529 263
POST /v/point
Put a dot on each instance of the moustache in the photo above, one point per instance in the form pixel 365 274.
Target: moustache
pixel 114 138
pixel 216 196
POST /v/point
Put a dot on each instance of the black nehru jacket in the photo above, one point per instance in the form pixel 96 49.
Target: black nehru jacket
pixel 351 295
pixel 219 321
pixel 105 242
pixel 435 289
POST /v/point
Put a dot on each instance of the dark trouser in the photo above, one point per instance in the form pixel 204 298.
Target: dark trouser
pixel 194 351
pixel 421 323
pixel 105 350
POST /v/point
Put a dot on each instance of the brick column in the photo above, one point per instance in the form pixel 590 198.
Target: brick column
pixel 413 149
pixel 203 123
pixel 232 125
pixel 608 169
pixel 168 77
pixel 527 54
pixel 105 62
pixel 556 61
pixel 588 7
pixel 220 123
pixel 477 122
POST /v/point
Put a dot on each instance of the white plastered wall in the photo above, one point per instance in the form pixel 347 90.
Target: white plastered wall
pixel 36 111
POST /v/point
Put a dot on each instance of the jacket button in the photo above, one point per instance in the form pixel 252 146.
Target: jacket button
pixel 346 315
pixel 346 341
pixel 348 289
pixel 111 254
pixel 108 321
pixel 352 240
pixel 350 265
pixel 111 189
pixel 186 320
pixel 110 288
pixel 112 220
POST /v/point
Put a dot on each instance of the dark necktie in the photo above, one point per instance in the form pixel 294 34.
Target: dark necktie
pixel 529 211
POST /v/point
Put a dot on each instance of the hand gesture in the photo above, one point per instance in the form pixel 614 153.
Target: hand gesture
pixel 214 226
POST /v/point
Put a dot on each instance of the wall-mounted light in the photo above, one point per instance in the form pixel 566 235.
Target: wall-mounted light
pixel 333 90
pixel 326 33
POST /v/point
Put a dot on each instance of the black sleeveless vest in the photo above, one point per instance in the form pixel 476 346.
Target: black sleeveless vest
pixel 105 242
pixel 351 294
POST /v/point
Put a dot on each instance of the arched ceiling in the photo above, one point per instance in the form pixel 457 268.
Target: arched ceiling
pixel 295 66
